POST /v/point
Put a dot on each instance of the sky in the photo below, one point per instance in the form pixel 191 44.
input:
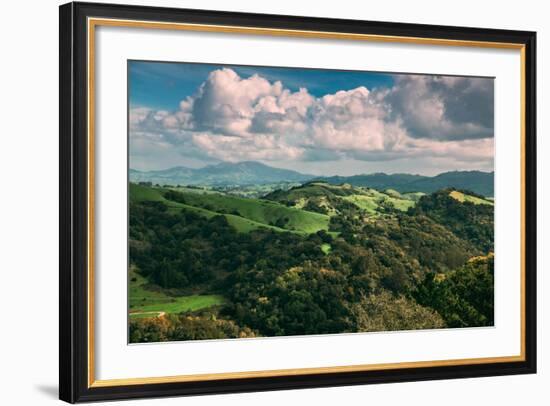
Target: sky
pixel 315 121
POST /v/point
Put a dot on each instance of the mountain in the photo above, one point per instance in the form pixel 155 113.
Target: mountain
pixel 479 182
pixel 256 173
pixel 380 181
pixel 225 173
pixel 476 181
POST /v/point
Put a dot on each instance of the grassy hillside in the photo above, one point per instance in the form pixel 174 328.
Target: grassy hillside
pixel 152 302
pixel 140 193
pixel 242 213
pixel 260 211
pixel 332 199
pixel 463 197
pixel 371 200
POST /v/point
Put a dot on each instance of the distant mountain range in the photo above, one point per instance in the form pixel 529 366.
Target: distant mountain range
pixel 475 181
pixel 222 174
pixel 255 173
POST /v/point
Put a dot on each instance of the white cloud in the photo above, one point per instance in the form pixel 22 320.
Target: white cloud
pixel 235 149
pixel 226 104
pixel 234 119
pixel 444 108
pixel 354 120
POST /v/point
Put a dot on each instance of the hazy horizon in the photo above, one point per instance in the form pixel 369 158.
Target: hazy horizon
pixel 312 174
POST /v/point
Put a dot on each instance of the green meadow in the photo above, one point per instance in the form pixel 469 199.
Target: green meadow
pixel 463 197
pixel 146 303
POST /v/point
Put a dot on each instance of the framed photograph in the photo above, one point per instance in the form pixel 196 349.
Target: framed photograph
pixel 257 202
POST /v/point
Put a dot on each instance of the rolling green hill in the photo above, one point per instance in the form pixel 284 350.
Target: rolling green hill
pixel 242 213
pixel 139 193
pixel 464 197
pixel 144 302
pixel 332 199
pixel 302 209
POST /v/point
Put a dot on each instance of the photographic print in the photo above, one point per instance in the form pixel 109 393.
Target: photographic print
pixel 255 202
pixel 271 201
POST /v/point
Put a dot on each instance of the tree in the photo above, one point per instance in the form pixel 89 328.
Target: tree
pixel 464 297
pixel 386 312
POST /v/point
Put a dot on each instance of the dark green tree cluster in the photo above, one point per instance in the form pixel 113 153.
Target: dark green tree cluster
pixel 184 327
pixel 175 249
pixel 472 222
pixel 463 297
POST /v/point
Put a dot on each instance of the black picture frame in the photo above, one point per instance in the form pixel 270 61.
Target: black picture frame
pixel 74 385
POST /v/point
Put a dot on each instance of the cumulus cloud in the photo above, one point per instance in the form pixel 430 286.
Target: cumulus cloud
pixel 443 107
pixel 232 118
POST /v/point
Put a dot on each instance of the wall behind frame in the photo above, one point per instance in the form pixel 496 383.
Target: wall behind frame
pixel 29 221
